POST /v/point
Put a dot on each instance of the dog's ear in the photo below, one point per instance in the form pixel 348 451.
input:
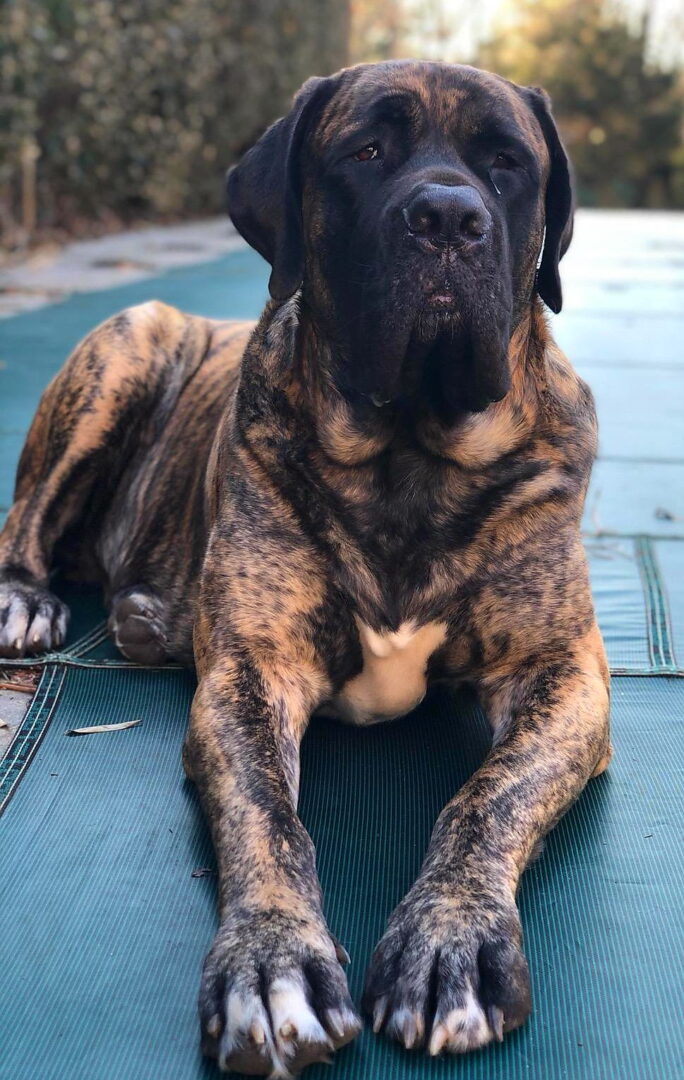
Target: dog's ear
pixel 559 203
pixel 264 190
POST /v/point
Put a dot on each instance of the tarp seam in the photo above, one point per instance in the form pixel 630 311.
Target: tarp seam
pixel 658 622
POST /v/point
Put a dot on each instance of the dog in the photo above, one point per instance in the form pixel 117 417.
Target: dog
pixel 377 486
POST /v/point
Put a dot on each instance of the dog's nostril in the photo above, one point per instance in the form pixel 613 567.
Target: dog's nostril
pixel 422 218
pixel 447 213
pixel 474 224
pixel 427 222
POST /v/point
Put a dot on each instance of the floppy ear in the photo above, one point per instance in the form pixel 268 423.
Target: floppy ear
pixel 559 204
pixel 264 190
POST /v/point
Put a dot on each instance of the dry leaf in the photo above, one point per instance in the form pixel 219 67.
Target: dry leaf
pixel 102 727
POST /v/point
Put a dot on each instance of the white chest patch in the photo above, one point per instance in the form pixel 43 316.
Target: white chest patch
pixel 392 681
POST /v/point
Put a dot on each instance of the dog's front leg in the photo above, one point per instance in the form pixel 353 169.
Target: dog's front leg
pixel 449 972
pixel 273 996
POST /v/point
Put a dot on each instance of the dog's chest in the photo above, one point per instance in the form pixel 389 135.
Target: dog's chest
pixel 393 679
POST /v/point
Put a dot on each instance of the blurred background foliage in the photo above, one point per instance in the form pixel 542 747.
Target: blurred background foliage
pixel 614 70
pixel 621 111
pixel 116 111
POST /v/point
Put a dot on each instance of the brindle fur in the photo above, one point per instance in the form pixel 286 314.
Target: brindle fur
pixel 222 478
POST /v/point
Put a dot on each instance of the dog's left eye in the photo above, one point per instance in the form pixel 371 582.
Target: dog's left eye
pixel 367 153
pixel 505 160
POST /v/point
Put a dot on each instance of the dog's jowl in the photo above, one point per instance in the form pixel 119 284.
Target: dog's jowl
pixel 378 485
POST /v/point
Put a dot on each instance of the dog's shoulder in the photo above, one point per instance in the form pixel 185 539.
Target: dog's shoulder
pixel 568 422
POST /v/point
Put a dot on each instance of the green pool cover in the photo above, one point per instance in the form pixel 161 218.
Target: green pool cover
pixel 105 919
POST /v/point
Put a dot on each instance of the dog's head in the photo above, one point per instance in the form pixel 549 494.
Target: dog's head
pixel 418 206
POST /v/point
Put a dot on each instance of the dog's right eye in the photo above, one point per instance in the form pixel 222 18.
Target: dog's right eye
pixel 367 153
pixel 505 160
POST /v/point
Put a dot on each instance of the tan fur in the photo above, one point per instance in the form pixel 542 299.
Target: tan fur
pixel 393 680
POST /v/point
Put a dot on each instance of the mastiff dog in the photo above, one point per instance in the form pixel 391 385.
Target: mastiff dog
pixel 376 486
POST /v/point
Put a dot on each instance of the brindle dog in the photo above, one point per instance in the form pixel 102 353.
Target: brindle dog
pixel 378 485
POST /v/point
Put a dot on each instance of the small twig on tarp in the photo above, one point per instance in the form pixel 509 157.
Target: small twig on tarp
pixel 21 687
pixel 25 681
pixel 102 727
pixel 202 871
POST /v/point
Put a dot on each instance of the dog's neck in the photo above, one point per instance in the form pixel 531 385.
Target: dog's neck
pixel 296 361
pixel 480 438
pixel 353 433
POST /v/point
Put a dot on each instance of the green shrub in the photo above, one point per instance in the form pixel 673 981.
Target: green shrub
pixel 134 108
pixel 619 110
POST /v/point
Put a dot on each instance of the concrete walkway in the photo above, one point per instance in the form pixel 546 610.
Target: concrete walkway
pixel 53 273
pixel 13 705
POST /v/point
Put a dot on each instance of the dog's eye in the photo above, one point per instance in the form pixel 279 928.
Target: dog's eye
pixel 367 153
pixel 505 160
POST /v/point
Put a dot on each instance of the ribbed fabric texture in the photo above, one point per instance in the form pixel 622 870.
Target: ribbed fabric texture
pixel 105 927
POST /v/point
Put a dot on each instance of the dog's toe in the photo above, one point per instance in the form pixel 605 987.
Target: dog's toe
pixel 32 619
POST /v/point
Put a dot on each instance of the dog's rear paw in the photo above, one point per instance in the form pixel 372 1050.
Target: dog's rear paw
pixel 32 619
pixel 273 999
pixel 137 625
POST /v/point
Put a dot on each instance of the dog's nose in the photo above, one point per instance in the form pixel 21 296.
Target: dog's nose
pixel 445 213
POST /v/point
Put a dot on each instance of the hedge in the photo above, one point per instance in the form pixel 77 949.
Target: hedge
pixel 113 111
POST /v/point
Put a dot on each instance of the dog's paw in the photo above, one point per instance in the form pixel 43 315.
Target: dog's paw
pixel 136 623
pixel 273 997
pixel 32 619
pixel 449 974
